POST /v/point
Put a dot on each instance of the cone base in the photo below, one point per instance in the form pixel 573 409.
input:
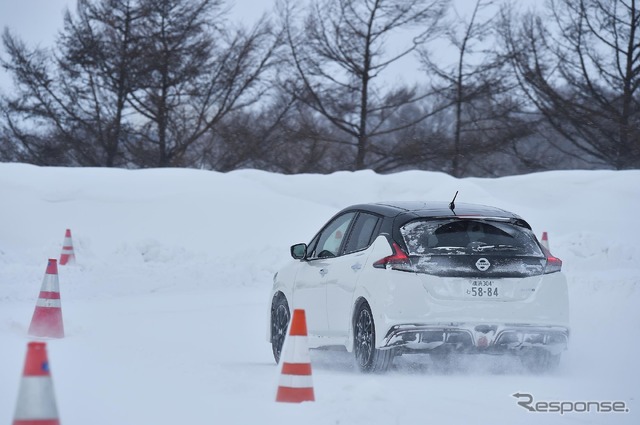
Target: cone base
pixel 47 322
pixel 67 260
pixel 294 395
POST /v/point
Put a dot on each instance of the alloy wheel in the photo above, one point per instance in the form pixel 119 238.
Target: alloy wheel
pixel 364 338
pixel 279 327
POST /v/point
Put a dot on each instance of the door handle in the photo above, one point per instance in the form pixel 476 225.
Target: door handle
pixel 356 267
pixel 323 272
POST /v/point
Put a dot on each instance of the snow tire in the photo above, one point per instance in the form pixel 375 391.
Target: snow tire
pixel 369 359
pixel 280 317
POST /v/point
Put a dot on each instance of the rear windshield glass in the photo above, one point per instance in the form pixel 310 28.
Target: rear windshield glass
pixel 468 236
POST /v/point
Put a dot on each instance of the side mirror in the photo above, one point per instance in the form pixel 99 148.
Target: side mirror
pixel 299 251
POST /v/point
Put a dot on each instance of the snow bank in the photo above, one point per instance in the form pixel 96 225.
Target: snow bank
pixel 165 311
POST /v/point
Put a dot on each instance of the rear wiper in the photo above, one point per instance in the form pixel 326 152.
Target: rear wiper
pixel 495 248
pixel 460 249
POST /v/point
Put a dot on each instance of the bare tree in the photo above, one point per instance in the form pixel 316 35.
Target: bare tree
pixel 458 78
pixel 134 82
pixel 34 111
pixel 339 55
pixel 101 56
pixel 486 114
pixel 295 144
pixel 583 74
pixel 420 146
pixel 69 108
pixel 196 72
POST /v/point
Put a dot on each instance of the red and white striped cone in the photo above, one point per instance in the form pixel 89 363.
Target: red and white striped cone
pixel 36 401
pixel 545 241
pixel 296 385
pixel 67 256
pixel 47 316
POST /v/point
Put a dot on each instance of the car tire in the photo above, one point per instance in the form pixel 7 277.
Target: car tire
pixel 280 317
pixel 368 357
pixel 539 360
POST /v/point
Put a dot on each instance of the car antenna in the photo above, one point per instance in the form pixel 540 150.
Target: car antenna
pixel 452 204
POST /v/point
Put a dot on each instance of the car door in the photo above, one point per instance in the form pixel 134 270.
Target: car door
pixel 310 289
pixel 346 271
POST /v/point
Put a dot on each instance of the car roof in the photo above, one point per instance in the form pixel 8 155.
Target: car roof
pixel 432 209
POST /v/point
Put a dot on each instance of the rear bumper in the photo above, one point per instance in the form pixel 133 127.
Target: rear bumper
pixel 476 337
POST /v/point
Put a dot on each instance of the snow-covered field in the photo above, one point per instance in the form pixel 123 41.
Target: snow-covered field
pixel 166 309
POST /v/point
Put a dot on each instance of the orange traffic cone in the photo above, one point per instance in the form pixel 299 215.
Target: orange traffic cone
pixel 47 317
pixel 67 256
pixel 545 241
pixel 296 385
pixel 36 402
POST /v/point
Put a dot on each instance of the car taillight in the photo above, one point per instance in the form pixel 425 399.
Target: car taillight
pixel 554 264
pixel 398 260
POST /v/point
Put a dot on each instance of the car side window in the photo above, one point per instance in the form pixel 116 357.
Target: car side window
pixel 330 239
pixel 362 232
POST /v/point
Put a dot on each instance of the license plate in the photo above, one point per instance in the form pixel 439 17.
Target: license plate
pixel 482 288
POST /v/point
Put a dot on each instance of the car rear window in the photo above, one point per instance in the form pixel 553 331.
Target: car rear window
pixel 469 237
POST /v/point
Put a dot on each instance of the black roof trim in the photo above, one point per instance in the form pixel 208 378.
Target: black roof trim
pixel 439 209
pixel 436 209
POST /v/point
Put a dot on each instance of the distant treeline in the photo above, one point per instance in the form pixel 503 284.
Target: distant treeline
pixel 175 83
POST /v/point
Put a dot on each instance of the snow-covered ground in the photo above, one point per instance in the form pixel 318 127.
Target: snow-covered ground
pixel 166 309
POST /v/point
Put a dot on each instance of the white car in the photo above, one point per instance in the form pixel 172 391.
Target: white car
pixel 385 279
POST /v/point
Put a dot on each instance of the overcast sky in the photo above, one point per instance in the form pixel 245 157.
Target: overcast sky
pixel 38 21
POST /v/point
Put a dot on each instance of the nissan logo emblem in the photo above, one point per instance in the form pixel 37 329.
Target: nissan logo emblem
pixel 483 264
